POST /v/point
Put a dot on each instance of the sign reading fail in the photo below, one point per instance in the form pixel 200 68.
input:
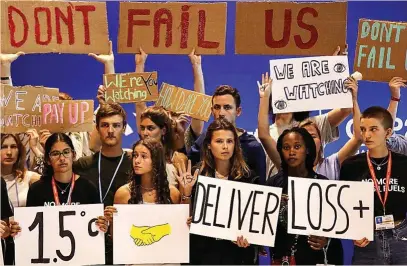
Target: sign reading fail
pixel 290 28
pixel 330 208
pixel 172 28
pixel 194 104
pixel 381 50
pixel 54 27
pixel 20 107
pixel 227 209
pixel 131 87
pixel 68 116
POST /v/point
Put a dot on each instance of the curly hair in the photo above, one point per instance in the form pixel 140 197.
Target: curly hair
pixel 159 174
pixel 239 167
pixel 19 168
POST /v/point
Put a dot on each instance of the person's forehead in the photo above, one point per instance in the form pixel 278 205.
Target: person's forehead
pixel 226 99
pixel 147 122
pixel 112 119
pixel 60 145
pixel 371 121
pixel 224 134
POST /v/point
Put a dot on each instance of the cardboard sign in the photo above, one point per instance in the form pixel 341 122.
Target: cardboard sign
pixel 226 209
pixel 290 28
pixel 68 116
pixel 20 107
pixel 142 230
pixel 337 209
pixel 381 50
pixel 54 27
pixel 172 28
pixel 194 104
pixel 63 235
pixel 131 87
pixel 310 83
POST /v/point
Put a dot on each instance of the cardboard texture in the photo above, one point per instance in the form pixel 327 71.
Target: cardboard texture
pixel 381 50
pixel 54 27
pixel 194 104
pixel 172 28
pixel 131 87
pixel 20 107
pixel 313 29
pixel 68 116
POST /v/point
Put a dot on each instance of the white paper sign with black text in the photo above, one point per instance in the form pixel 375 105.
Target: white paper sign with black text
pixel 229 209
pixel 63 235
pixel 151 233
pixel 309 83
pixel 337 209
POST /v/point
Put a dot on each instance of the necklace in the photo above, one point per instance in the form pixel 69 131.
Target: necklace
pixel 379 165
pixel 148 190
pixel 63 190
pixel 218 175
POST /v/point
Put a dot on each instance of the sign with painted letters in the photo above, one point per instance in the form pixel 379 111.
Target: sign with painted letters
pixel 337 209
pixel 20 107
pixel 143 229
pixel 227 209
pixel 172 28
pixel 131 87
pixel 54 27
pixel 310 83
pixel 290 28
pixel 381 50
pixel 176 99
pixel 63 235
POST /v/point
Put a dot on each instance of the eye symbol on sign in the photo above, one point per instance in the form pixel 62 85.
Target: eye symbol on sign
pixel 339 68
pixel 280 104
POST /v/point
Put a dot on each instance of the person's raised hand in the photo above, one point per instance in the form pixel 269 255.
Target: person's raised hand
pixel 101 94
pixel 395 84
pixel 141 57
pixel 44 135
pixel 7 59
pixel 338 50
pixel 352 85
pixel 265 86
pixel 33 137
pixel 185 179
pixel 104 58
pixel 195 59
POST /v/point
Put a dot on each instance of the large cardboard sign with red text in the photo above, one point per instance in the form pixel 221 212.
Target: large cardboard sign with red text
pixel 172 28
pixel 381 50
pixel 54 27
pixel 290 28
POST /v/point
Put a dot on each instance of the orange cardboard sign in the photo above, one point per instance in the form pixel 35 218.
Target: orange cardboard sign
pixel 194 104
pixel 131 87
pixel 68 116
pixel 172 28
pixel 54 27
pixel 381 50
pixel 282 28
pixel 20 107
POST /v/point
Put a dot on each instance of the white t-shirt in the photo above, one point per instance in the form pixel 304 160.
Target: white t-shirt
pixel 17 190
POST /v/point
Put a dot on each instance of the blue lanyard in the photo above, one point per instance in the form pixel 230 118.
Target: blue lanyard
pixel 111 181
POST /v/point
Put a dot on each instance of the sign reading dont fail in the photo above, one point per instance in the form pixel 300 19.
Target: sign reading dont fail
pixel 310 83
pixel 337 209
pixel 226 209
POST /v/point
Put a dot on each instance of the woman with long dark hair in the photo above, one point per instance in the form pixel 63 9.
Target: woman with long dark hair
pixel 297 150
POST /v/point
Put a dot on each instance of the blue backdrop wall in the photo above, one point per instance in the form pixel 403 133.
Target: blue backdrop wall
pixel 80 75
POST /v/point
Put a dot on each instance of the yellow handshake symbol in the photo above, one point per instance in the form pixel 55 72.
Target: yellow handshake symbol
pixel 147 235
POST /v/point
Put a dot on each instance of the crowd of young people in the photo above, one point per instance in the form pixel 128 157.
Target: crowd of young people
pixel 44 168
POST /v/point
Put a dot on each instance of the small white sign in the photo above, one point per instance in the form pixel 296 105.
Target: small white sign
pixel 310 83
pixel 226 209
pixel 337 209
pixel 151 233
pixel 63 235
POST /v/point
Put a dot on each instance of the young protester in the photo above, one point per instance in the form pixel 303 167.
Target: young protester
pixel 222 158
pixel 297 150
pixel 327 166
pixel 386 170
pixel 13 169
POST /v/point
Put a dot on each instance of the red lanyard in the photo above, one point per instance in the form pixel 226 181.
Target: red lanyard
pixel 376 183
pixel 54 189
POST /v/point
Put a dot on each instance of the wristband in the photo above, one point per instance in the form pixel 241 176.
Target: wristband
pixel 395 99
pixel 5 78
pixel 183 197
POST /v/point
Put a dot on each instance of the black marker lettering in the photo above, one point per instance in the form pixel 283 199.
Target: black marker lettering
pixel 240 216
pixel 320 206
pixel 231 207
pixel 346 213
pixel 293 208
pixel 267 212
pixel 197 193
pixel 333 207
pixel 207 204
pixel 216 210
pixel 254 212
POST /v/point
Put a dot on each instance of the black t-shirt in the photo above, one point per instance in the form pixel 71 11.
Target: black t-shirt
pixel 41 194
pixel 304 254
pixel 6 211
pixel 87 167
pixel 356 168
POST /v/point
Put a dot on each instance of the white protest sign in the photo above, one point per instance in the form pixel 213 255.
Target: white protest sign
pixel 337 209
pixel 310 83
pixel 227 209
pixel 63 235
pixel 151 233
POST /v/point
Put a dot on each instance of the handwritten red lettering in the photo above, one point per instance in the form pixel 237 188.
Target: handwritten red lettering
pixel 85 12
pixel 38 40
pixel 184 26
pixel 201 32
pixel 12 26
pixel 312 29
pixel 132 22
pixel 68 20
pixel 270 41
pixel 158 20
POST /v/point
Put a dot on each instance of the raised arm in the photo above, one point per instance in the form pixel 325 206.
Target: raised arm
pixel 199 86
pixel 141 106
pixel 395 84
pixel 354 143
pixel 5 67
pixel 268 142
pixel 107 60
